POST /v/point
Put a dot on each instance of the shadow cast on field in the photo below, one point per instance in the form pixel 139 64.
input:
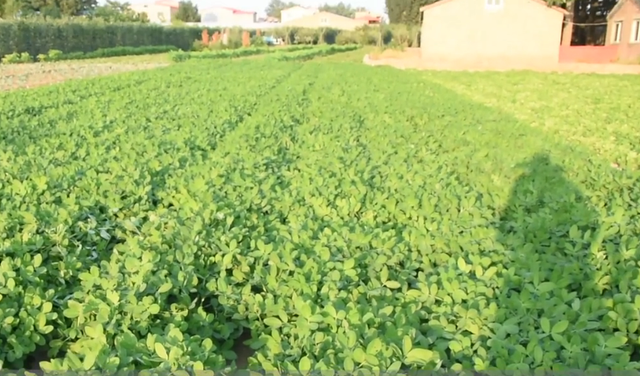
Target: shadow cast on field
pixel 544 226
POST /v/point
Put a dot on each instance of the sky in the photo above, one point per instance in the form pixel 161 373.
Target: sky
pixel 260 5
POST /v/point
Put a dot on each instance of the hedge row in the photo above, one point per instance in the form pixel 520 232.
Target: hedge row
pixel 38 38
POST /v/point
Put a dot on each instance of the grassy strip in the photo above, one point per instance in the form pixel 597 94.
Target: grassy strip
pixel 117 51
pixel 180 56
pixel 56 55
pixel 316 52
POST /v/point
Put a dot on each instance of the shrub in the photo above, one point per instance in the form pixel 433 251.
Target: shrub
pixel 258 41
pixel 347 37
pixel 198 45
pixel 17 58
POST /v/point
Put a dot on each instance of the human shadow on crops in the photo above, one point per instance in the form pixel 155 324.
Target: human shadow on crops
pixel 546 230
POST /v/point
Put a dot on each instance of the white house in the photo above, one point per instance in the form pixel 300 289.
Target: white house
pixel 160 12
pixel 296 12
pixel 227 17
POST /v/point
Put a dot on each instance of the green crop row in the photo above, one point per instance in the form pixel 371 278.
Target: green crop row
pixel 180 56
pixel 37 38
pixel 313 53
pixel 56 55
pixel 312 217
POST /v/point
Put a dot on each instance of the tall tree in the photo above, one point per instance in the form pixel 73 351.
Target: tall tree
pixel 275 8
pixel 115 11
pixel 55 8
pixel 9 8
pixel 187 12
pixel 342 9
pixel 406 11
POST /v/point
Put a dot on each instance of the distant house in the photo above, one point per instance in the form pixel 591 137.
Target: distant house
pixel 486 31
pixel 369 17
pixel 623 29
pixel 328 20
pixel 160 12
pixel 296 12
pixel 227 17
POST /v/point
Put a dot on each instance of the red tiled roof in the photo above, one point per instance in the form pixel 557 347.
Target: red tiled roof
pixel 368 18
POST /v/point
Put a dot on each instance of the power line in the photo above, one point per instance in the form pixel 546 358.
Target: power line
pixel 586 24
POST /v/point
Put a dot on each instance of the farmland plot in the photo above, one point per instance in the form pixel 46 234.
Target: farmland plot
pixel 345 217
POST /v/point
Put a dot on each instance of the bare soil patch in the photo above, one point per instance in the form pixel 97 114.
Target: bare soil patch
pixel 410 59
pixel 25 76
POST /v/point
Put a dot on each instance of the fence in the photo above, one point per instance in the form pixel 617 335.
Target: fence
pixel 588 54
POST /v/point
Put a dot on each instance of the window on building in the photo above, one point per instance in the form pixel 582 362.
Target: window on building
pixel 635 32
pixel 324 20
pixel 493 4
pixel 617 32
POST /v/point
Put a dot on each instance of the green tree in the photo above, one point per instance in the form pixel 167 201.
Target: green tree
pixel 187 12
pixel 275 8
pixel 341 9
pixel 406 11
pixel 115 11
pixel 55 8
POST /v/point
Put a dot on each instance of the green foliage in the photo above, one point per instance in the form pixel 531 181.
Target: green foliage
pixel 40 37
pixel 341 8
pixel 275 7
pixel 309 54
pixel 57 55
pixel 53 9
pixel 113 52
pixel 181 56
pixel 115 12
pixel 406 11
pixel 17 58
pixel 355 228
pixel 187 12
pixel 257 41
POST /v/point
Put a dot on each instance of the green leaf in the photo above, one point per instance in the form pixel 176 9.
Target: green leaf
pixel 165 287
pixel 462 264
pixel 407 344
pixel 574 233
pixel 305 364
pixel 73 310
pixel 160 351
pixel 37 260
pixel 419 356
pixel 560 327
pixel 374 346
pixel 616 341
pixel 89 359
pixel 392 285
pixel 545 287
pixel 545 325
pixel 359 355
pixel 348 364
pixel 273 322
pixel 394 367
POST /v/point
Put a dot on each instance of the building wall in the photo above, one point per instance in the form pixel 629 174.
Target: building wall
pixel 627 13
pixel 325 19
pixel 160 14
pixel 226 17
pixel 521 31
pixel 296 12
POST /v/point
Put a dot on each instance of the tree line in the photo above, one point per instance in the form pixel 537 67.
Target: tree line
pixel 111 12
pixel 275 8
